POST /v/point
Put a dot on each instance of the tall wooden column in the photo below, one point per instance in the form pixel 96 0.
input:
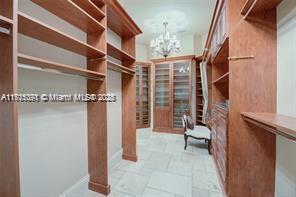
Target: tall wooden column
pixel 9 147
pixel 252 88
pixel 129 144
pixel 97 118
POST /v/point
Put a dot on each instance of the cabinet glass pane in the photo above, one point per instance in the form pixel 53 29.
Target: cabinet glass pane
pixel 181 90
pixel 162 85
pixel 145 96
pixel 138 69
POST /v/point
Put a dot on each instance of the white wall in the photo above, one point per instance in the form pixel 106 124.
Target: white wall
pixel 52 137
pixel 286 96
pixel 114 116
pixel 142 53
pixel 114 122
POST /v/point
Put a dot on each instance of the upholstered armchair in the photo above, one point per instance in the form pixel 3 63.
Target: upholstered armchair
pixel 198 133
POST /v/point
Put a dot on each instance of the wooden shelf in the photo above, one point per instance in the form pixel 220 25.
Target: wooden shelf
pixel 275 123
pixel 223 52
pixel 72 13
pixel 120 68
pixel 222 79
pixel 5 20
pixel 99 3
pixel 253 6
pixel 45 64
pixel 118 53
pixel 90 8
pixel 119 21
pixel 5 25
pixel 38 30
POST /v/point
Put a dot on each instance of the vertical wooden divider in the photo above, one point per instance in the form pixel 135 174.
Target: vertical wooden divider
pixel 129 144
pixel 97 118
pixel 9 148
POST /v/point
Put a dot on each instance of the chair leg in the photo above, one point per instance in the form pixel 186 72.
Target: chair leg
pixel 185 138
pixel 209 146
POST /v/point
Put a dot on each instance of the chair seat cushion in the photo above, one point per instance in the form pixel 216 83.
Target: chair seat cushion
pixel 199 132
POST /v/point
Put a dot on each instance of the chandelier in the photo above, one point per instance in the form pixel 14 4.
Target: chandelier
pixel 165 44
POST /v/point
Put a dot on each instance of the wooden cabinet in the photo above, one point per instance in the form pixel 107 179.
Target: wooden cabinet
pixel 242 54
pixel 221 30
pixel 219 140
pixel 143 95
pixel 172 94
pixel 162 95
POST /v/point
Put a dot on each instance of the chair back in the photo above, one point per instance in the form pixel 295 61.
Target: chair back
pixel 184 122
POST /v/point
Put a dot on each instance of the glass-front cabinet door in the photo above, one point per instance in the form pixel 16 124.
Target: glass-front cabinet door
pixel 181 91
pixel 162 97
pixel 172 95
pixel 143 95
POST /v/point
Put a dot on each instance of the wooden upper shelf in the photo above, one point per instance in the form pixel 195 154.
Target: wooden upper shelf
pixel 90 8
pixel 6 20
pixel 120 68
pixel 119 21
pixel 72 13
pixel 38 30
pixel 279 124
pixel 118 53
pixel 253 6
pixel 45 64
pixel 222 79
pixel 223 52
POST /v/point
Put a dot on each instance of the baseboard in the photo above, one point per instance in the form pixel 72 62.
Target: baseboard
pixel 112 163
pixel 130 157
pixel 99 188
pixel 114 160
pixel 71 191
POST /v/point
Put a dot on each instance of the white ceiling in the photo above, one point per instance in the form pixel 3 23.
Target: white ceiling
pixel 183 16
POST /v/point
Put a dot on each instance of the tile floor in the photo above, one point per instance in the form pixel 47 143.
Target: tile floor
pixel 165 169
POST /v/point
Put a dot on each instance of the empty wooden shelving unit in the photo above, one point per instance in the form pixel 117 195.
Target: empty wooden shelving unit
pixel 123 25
pixel 198 91
pixel 242 55
pixel 91 19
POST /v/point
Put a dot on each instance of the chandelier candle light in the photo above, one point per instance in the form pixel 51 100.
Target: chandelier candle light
pixel 165 44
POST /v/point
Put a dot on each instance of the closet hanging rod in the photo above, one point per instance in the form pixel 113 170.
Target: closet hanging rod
pixel 270 129
pixel 6 31
pixel 53 71
pixel 119 70
pixel 234 58
pixel 97 59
